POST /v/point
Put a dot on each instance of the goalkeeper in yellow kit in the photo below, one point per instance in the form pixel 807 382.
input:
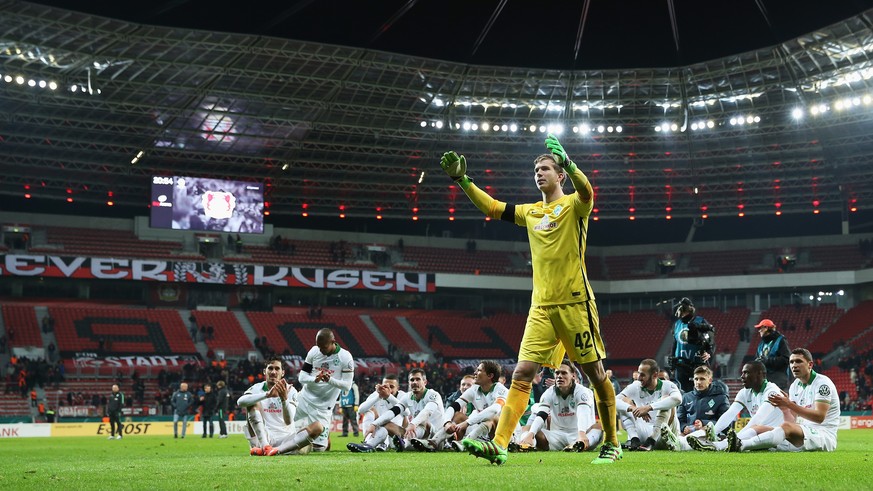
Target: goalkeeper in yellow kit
pixel 563 314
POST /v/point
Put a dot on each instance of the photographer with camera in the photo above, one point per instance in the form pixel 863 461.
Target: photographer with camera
pixel 773 352
pixel 693 344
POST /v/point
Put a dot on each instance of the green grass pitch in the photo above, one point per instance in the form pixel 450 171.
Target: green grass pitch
pixel 159 462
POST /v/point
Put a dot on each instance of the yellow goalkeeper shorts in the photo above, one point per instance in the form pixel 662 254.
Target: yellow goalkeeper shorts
pixel 552 330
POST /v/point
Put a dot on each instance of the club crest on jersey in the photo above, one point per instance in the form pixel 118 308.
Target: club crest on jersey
pixel 545 224
pixel 557 210
pixel 711 403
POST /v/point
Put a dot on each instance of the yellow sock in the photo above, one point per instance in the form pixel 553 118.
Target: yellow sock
pixel 516 403
pixel 606 409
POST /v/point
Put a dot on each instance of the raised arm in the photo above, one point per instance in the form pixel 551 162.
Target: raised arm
pixel 577 177
pixel 456 168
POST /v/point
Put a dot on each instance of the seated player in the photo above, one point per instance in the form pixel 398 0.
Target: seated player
pixel 811 410
pixel 753 397
pixel 425 407
pixel 700 407
pixel 270 407
pixel 569 407
pixel 327 371
pixel 376 437
pixel 646 405
pixel 487 396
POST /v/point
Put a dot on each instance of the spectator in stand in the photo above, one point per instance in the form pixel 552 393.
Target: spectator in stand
pixel 773 352
pixel 209 401
pixel 181 402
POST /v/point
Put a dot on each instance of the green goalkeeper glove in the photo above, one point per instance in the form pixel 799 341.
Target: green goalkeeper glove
pixel 560 154
pixel 454 165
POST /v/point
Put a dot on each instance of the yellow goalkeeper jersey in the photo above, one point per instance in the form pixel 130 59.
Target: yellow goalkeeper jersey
pixel 557 233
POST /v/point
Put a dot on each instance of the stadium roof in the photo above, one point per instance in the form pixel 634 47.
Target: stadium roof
pixel 360 123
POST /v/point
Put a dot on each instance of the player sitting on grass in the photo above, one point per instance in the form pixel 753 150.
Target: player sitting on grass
pixel 699 411
pixel 487 396
pixel 811 409
pixel 376 437
pixel 753 398
pixel 647 404
pixel 569 406
pixel 327 371
pixel 425 406
pixel 270 407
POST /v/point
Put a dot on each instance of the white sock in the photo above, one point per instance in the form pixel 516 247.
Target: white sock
pixel 439 437
pixel 257 424
pixel 477 430
pixel 721 445
pixel 683 443
pixel 594 437
pixel 746 433
pixel 377 437
pixel 768 439
pixel 300 439
pixel 630 426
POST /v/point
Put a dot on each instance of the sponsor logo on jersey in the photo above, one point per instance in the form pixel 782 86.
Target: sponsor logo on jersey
pixel 545 224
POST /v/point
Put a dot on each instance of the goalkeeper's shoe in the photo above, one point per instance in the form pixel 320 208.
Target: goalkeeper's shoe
pixel 256 451
pixel 710 432
pixel 700 445
pixel 487 450
pixel 609 453
pixel 360 448
pixel 734 442
pixel 271 452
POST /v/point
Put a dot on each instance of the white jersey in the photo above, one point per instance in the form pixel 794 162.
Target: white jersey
pixel 819 389
pixel 271 408
pixel 380 406
pixel 482 400
pixel 431 400
pixel 572 413
pixel 322 395
pixel 642 397
pixel 753 401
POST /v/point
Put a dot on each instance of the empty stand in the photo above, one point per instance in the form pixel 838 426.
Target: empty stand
pixel 14 405
pixel 21 319
pixel 295 331
pixel 124 331
pixel 394 332
pixel 459 261
pixel 849 325
pixel 727 325
pixel 458 336
pixel 228 335
pixel 633 336
pixel 106 243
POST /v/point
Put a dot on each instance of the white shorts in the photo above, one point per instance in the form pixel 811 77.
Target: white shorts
pixel 559 439
pixel 307 414
pixel 814 440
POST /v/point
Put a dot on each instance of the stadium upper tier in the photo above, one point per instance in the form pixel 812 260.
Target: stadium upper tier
pixel 94 107
pixel 603 263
